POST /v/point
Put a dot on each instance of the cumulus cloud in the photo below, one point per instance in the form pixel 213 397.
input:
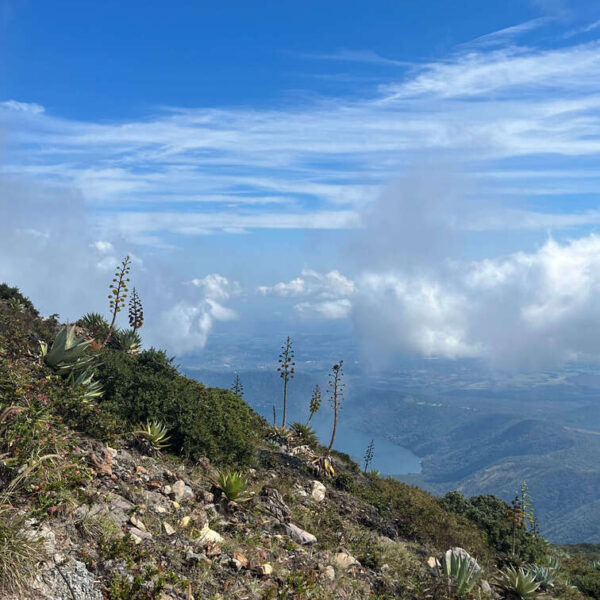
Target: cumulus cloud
pixel 47 248
pixel 327 294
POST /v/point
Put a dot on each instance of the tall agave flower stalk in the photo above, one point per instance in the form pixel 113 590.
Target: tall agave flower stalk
pixel 118 293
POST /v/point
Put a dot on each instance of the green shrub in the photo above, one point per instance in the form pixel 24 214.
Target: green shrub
pixel 201 421
pixel 344 481
pixel 16 299
pixel 489 513
pixel 420 516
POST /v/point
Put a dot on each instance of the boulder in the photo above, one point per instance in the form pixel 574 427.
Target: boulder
pixel 318 491
pixel 298 534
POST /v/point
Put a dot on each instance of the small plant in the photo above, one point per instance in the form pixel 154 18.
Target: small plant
pixel 518 582
pixel 20 551
pixel 136 311
pixel 68 352
pixel 543 574
pixel 233 485
pixel 305 434
pixel 369 455
pixel 336 389
pixel 237 388
pixel 126 340
pixel 315 402
pixel 461 572
pixel 95 324
pixel 155 434
pixel 86 383
pixel 118 293
pixel 286 372
pixel 344 481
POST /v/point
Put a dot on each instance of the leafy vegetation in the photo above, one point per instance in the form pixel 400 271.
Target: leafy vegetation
pixel 233 485
pixel 461 572
pixel 155 434
pixel 518 582
pixel 201 421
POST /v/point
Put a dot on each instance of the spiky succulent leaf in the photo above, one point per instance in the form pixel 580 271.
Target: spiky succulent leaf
pixel 126 340
pixel 518 582
pixel 95 324
pixel 305 433
pixel 68 351
pixel 233 485
pixel 155 433
pixel 461 573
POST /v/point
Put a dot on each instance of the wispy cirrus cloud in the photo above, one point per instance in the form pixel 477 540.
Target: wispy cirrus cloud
pixel 319 164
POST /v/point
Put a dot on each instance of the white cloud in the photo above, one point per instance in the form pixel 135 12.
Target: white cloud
pixel 317 165
pixel 327 294
pixel 327 309
pixel 528 308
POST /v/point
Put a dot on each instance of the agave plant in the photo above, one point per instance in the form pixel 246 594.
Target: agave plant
pixel 518 582
pixel 462 572
pixel 543 574
pixel 85 381
pixel 155 435
pixel 305 433
pixel 95 324
pixel 233 485
pixel 68 352
pixel 126 340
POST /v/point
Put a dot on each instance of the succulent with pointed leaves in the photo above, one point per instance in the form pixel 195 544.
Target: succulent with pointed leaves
pixel 68 352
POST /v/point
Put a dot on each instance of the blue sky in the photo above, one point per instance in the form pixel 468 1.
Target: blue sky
pixel 405 168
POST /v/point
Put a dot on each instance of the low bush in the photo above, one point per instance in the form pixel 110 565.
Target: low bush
pixel 201 421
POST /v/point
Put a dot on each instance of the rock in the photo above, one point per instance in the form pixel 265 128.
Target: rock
pixel 188 492
pixel 169 529
pixel 318 491
pixel 167 490
pixel 161 510
pixel 178 490
pixel 299 535
pixel 155 484
pixel 272 500
pixel 48 583
pixel 208 536
pixel 208 497
pixel 265 570
pixel 137 522
pixel 329 573
pixel 433 564
pixel 486 588
pixel 175 505
pixel 344 560
pixel 239 561
pixel 102 466
pixel 185 522
pixel 140 533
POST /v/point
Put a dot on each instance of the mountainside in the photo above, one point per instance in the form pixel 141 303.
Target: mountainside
pixel 122 479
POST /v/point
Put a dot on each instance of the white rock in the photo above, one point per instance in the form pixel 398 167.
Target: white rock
pixel 299 535
pixel 329 572
pixel 178 489
pixel 318 491
pixel 344 560
pixel 209 536
pixel 169 529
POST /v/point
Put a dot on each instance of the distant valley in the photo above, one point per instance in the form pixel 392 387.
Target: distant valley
pixel 472 430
